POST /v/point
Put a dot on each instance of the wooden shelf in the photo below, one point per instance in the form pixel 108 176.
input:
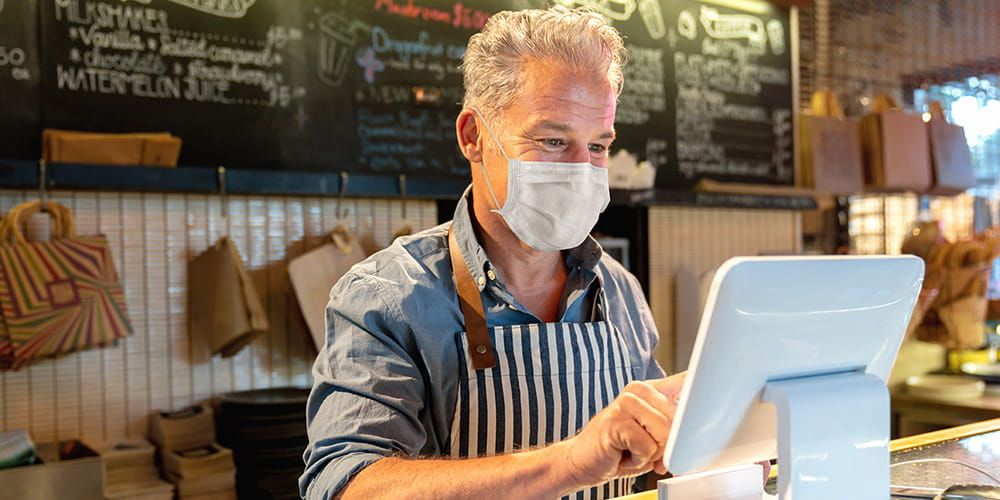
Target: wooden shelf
pixel 24 175
pixel 655 197
pixel 20 174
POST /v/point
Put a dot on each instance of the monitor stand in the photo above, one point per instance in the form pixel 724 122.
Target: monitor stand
pixel 833 443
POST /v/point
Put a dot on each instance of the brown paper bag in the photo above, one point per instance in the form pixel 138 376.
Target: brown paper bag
pixel 956 319
pixel 950 156
pixel 314 274
pixel 225 308
pixel 158 149
pixel 896 149
pixel 830 153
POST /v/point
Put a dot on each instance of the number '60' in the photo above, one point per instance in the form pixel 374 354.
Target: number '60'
pixel 11 57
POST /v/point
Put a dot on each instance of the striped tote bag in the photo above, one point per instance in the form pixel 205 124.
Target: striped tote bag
pixel 57 296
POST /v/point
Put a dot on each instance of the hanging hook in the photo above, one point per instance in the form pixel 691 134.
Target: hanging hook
pixel 221 178
pixel 341 193
pixel 42 181
pixel 402 192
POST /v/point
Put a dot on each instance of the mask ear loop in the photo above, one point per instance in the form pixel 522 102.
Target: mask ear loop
pixel 482 165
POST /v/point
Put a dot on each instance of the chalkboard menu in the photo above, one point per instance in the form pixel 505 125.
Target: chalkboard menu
pixel 20 102
pixel 374 85
pixel 708 91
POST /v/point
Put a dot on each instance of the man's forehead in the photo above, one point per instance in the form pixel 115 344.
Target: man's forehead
pixel 565 126
pixel 555 97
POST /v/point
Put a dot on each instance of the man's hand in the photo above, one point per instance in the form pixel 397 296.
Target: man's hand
pixel 628 437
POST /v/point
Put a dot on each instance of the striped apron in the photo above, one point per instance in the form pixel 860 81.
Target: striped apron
pixel 527 386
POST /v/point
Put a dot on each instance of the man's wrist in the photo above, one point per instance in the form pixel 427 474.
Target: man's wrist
pixel 559 467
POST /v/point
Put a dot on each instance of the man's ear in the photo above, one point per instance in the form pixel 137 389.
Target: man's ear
pixel 467 132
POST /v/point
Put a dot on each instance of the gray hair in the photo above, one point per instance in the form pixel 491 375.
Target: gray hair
pixel 578 38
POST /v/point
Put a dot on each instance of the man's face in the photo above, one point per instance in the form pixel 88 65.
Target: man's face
pixel 560 115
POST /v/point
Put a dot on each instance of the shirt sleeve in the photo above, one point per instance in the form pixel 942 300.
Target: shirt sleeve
pixel 647 326
pixel 367 391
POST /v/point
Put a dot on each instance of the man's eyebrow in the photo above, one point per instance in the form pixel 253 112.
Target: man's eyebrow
pixel 564 127
pixel 551 125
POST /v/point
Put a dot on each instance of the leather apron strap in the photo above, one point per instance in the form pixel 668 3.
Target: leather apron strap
pixel 471 302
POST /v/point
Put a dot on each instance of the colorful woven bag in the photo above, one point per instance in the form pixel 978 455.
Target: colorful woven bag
pixel 58 296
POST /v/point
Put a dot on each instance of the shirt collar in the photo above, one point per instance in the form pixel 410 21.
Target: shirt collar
pixel 585 256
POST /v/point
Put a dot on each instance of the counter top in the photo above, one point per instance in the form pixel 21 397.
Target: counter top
pixel 916 415
pixel 978 441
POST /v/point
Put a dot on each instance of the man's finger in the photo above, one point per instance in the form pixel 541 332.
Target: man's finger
pixel 648 393
pixel 634 439
pixel 657 462
pixel 670 386
pixel 655 421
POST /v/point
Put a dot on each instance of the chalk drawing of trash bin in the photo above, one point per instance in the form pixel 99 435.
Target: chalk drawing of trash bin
pixel 652 16
pixel 337 40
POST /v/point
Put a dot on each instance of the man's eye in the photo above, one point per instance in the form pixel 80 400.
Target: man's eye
pixel 553 143
pixel 598 149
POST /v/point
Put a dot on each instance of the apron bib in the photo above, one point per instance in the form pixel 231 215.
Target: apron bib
pixel 528 386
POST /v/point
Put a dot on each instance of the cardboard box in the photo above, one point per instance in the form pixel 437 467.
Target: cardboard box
pixel 67 469
pixel 158 149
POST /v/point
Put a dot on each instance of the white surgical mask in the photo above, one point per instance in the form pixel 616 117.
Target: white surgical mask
pixel 550 206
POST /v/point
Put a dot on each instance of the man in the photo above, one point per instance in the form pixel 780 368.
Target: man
pixel 501 354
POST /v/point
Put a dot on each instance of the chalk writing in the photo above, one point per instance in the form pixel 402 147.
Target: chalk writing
pixel 776 35
pixel 733 26
pixel 15 59
pixel 128 50
pixel 726 75
pixel 13 56
pixel 657 152
pixel 404 94
pixel 222 8
pixel 619 10
pixel 459 16
pixel 111 16
pixel 421 57
pixel 686 25
pixel 725 126
pixel 395 140
pixel 370 63
pixel 782 159
pixel 644 91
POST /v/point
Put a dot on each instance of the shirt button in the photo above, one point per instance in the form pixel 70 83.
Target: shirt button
pixel 482 281
pixel 481 349
pixel 492 275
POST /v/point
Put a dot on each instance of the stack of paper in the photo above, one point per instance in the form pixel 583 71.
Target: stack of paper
pixel 130 472
pixel 190 427
pixel 204 472
pixel 191 459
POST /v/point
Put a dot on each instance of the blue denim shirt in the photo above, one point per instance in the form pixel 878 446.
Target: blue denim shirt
pixel 385 383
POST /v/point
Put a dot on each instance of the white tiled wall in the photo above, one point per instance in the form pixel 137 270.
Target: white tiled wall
pixel 108 393
pixel 701 239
